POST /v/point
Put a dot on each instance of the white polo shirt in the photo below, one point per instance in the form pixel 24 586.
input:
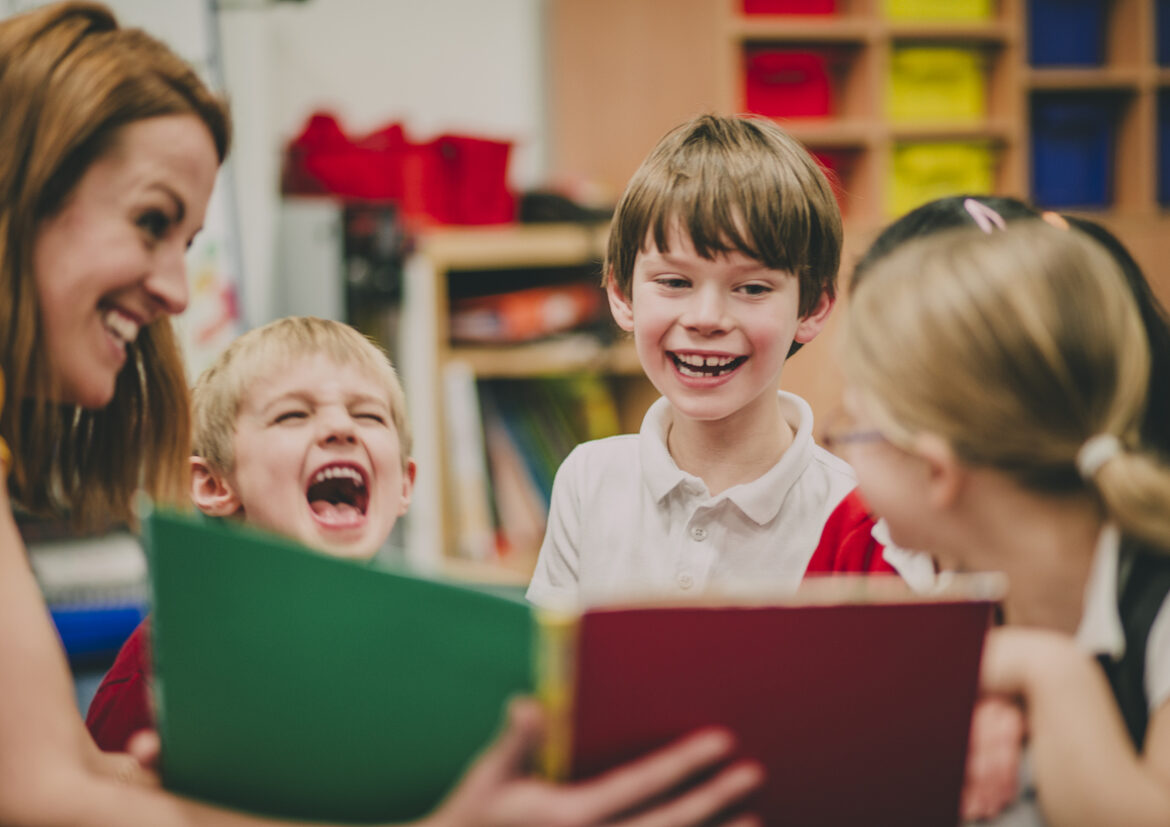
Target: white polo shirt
pixel 626 522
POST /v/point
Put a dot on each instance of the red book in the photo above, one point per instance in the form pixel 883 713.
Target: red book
pixel 855 696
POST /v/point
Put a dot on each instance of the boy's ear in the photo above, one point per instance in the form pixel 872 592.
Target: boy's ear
pixel 407 486
pixel 945 475
pixel 210 490
pixel 619 305
pixel 814 321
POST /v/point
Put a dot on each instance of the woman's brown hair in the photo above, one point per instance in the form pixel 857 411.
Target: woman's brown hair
pixel 70 79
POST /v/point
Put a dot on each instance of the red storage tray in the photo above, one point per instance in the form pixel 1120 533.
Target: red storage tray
pixel 789 6
pixel 456 179
pixel 786 84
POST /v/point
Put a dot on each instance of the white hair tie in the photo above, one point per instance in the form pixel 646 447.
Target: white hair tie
pixel 1097 451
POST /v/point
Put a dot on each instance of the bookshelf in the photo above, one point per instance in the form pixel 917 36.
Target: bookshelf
pixel 622 72
pixel 625 71
pixel 444 259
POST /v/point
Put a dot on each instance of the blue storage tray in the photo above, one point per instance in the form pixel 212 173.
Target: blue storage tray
pixel 1072 149
pixel 89 631
pixel 1162 11
pixel 1066 32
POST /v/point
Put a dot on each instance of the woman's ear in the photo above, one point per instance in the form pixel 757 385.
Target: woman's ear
pixel 211 491
pixel 945 474
pixel 619 305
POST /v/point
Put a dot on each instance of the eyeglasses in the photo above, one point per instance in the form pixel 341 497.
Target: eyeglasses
pixel 842 430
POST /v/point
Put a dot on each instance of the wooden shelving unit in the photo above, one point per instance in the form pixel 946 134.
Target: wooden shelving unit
pixel 443 254
pixel 691 54
pixel 622 72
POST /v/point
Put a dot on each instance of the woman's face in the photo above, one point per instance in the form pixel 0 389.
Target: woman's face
pixel 112 259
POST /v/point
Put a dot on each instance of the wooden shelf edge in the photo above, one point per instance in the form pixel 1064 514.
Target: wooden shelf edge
pixel 1106 78
pixel 582 353
pixel 801 29
pixel 512 245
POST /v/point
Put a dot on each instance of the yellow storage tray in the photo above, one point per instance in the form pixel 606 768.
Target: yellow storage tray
pixel 939 9
pixel 932 84
pixel 921 172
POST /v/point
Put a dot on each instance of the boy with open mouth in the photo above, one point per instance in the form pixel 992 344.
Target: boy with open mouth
pixel 299 428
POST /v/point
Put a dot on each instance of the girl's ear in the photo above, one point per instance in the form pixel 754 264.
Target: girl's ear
pixel 814 321
pixel 619 305
pixel 945 474
pixel 211 491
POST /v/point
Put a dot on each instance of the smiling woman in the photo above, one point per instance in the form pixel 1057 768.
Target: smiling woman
pixel 112 144
pixel 110 147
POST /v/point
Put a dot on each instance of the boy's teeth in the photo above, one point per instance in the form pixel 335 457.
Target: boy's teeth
pixel 335 472
pixel 120 326
pixel 690 365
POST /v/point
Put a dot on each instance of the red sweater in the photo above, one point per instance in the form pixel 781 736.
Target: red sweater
pixel 121 706
pixel 847 544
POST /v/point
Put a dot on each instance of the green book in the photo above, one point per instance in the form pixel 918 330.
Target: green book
pixel 295 684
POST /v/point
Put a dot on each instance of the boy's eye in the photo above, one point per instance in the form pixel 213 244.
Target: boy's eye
pixel 155 223
pixel 289 416
pixel 756 289
pixel 673 282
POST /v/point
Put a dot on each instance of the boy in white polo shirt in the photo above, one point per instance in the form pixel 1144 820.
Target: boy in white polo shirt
pixel 722 260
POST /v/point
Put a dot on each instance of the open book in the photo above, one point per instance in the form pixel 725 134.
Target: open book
pixel 295 684
pixel 855 694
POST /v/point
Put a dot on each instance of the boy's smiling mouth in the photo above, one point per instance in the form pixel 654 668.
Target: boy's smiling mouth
pixel 698 365
pixel 339 494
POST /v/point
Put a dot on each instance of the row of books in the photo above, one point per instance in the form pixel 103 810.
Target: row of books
pixel 506 439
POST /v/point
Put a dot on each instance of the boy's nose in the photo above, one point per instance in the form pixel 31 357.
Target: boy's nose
pixel 707 312
pixel 337 427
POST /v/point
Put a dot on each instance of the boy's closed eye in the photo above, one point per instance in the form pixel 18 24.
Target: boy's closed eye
pixel 290 416
pixel 371 416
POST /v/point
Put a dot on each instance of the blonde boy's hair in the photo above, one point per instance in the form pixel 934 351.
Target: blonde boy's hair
pixel 1015 347
pixel 220 389
pixel 732 184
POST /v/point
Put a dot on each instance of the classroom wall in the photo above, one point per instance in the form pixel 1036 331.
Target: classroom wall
pixel 437 66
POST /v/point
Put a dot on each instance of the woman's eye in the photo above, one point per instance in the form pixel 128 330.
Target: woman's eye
pixel 373 417
pixel 155 223
pixel 289 416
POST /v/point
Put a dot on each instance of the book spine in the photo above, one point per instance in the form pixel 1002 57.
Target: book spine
pixel 556 654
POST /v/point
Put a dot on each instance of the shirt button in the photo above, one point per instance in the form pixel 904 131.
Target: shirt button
pixel 686 580
pixel 699 533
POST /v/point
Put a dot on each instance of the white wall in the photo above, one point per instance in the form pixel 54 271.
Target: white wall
pixel 436 66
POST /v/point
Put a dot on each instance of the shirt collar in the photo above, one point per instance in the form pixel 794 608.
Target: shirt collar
pixel 760 499
pixel 1100 631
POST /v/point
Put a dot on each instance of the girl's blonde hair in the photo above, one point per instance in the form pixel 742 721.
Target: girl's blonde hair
pixel 70 79
pixel 222 387
pixel 1016 347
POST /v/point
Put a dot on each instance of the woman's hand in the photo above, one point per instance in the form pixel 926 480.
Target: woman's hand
pixel 498 791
